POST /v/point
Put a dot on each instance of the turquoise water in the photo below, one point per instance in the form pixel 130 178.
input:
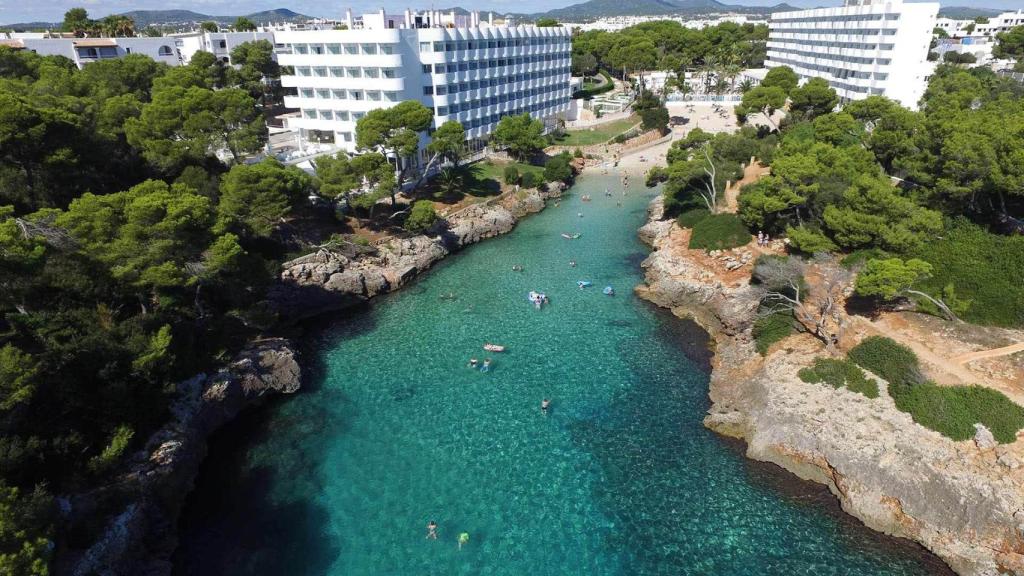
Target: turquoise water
pixel 618 478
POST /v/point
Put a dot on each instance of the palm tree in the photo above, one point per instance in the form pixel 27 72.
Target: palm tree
pixel 746 85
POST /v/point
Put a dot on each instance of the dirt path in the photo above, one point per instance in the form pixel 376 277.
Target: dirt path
pixel 751 174
pixel 992 353
pixel 943 370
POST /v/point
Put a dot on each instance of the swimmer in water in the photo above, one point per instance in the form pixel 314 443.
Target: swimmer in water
pixel 432 530
pixel 487 365
pixel 544 405
pixel 472 362
pixel 463 539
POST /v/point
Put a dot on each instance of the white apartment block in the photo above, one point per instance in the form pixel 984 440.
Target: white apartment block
pixel 82 51
pixel 995 25
pixel 864 48
pixel 472 72
pixel 172 50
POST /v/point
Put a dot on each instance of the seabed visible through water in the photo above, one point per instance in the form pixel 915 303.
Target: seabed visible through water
pixel 393 429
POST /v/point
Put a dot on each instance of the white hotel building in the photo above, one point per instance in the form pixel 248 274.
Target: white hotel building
pixel 459 67
pixel 864 48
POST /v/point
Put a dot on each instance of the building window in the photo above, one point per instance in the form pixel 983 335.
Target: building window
pixel 338 94
pixel 428 90
pixel 426 68
pixel 388 72
pixel 351 49
pixel 373 95
pixel 346 136
pixel 337 72
pixel 341 115
pixel 371 72
pixel 327 115
pixel 355 94
pixel 222 44
pixel 391 96
pixel 438 68
pixel 309 114
pixel 334 48
pixel 369 48
pixel 306 92
pixel 163 51
pixel 323 93
pixel 301 49
pixel 354 73
pixel 387 49
pixel 426 47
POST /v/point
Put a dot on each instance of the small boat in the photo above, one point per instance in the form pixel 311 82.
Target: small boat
pixel 584 283
pixel 571 236
pixel 609 291
pixel 585 198
pixel 494 347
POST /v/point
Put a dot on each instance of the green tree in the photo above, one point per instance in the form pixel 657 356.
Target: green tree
pixel 521 135
pixel 253 67
pixel 343 177
pixel 546 23
pixel 782 77
pixel 17 377
pixel 25 527
pixel 763 99
pixel 395 133
pixel 892 278
pixel 254 198
pixel 448 142
pixel 558 168
pixel 209 26
pixel 1010 44
pixel 421 217
pixel 584 64
pixel 185 125
pixel 77 21
pixel 814 98
pixel 243 24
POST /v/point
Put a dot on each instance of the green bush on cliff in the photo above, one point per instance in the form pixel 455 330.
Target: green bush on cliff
pixel 953 410
pixel 771 329
pixel 719 232
pixel 690 218
pixel 838 373
pixel 891 361
pixel 949 410
pixel 421 217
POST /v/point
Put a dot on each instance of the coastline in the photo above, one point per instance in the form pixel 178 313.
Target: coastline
pixel 957 499
pixel 141 506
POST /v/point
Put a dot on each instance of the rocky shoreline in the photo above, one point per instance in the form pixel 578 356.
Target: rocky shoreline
pixel 964 501
pixel 135 517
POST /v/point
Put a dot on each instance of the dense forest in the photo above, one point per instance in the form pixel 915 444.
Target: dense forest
pixel 130 256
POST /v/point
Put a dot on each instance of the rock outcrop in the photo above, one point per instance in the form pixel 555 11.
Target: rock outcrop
pixel 326 281
pixel 136 515
pixel 961 500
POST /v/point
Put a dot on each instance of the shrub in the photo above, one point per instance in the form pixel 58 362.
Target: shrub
pixel 986 271
pixel 421 217
pixel 557 169
pixel 620 138
pixel 771 329
pixel 511 175
pixel 690 218
pixel 953 410
pixel 838 373
pixel 112 453
pixel 719 232
pixel 891 361
pixel 656 175
pixel 654 118
pixel 809 241
pixel 577 153
pixel 529 180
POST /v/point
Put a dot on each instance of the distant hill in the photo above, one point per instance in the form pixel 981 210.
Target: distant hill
pixel 594 9
pixel 144 18
pixel 967 12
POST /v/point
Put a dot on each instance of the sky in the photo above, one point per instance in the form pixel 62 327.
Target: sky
pixel 53 10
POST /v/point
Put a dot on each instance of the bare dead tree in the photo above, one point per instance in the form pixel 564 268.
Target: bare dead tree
pixel 711 199
pixel 813 292
pixel 47 231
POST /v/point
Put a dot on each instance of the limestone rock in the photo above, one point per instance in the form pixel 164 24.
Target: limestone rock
pixel 893 474
pixel 983 437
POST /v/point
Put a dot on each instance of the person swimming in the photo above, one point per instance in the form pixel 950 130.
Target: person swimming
pixel 544 405
pixel 463 539
pixel 487 365
pixel 472 362
pixel 432 530
pixel 572 263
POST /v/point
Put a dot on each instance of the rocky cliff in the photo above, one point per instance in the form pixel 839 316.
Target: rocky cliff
pixel 962 500
pixel 326 280
pixel 136 515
